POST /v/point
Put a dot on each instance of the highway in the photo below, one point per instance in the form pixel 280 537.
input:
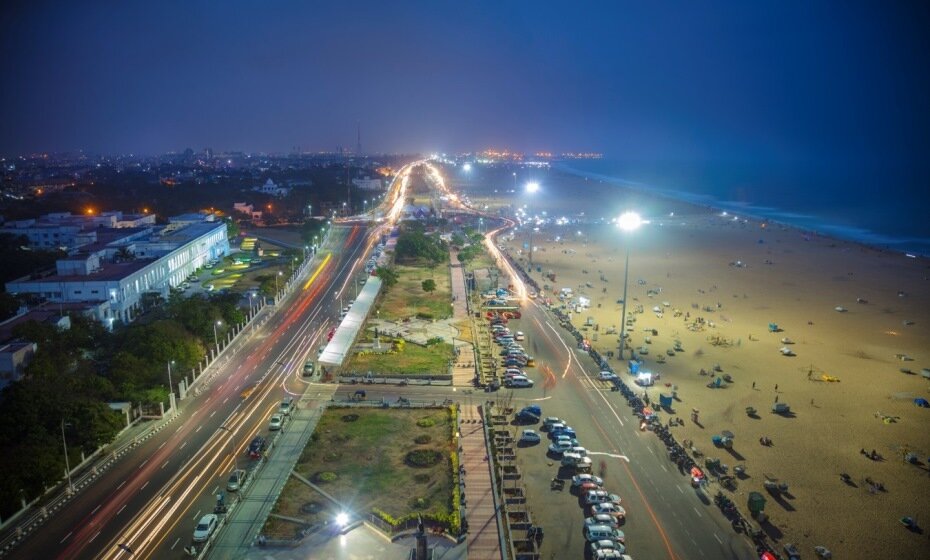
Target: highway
pixel 149 499
pixel 146 506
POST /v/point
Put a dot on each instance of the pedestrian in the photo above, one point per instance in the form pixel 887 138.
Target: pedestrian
pixel 812 402
pixel 776 387
pixel 753 384
pixel 776 398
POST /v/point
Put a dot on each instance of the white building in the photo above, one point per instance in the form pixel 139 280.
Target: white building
pixel 368 184
pixel 67 231
pixel 111 275
pixel 271 189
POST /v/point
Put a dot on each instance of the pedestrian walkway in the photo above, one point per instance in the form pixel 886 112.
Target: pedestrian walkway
pixel 247 518
pixel 483 536
pixel 464 368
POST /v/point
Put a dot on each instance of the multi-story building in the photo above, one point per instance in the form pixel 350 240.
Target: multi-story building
pixel 111 275
pixel 65 231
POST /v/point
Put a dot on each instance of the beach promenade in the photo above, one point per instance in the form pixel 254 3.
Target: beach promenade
pixel 463 370
pixel 483 536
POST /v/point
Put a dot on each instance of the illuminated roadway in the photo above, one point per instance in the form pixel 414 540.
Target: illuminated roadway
pixel 150 500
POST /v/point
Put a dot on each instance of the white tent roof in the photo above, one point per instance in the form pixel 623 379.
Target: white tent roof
pixel 338 348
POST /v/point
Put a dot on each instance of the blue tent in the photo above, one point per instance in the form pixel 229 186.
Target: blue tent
pixel 921 402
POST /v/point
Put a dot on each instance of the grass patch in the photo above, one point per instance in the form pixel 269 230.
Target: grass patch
pixel 411 359
pixel 373 460
pixel 407 298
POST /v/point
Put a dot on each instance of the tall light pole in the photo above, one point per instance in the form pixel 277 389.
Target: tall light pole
pixel 532 188
pixel 276 284
pixel 232 450
pixel 216 339
pixel 64 444
pixel 170 384
pixel 627 222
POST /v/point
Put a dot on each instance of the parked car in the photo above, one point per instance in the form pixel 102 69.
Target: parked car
pixel 570 459
pixel 236 479
pixel 555 427
pixel 276 422
pixel 205 527
pixel 548 421
pixel 601 519
pixel 530 436
pixel 518 381
pixel 257 446
pixel 534 408
pixel 526 417
pixel 519 336
pixel 580 479
pixel 559 447
pixel 607 376
pixel 585 487
pixel 609 508
pixel 309 368
pixel 600 532
pixel 600 497
pixel 285 407
pixel 564 430
pixel 607 548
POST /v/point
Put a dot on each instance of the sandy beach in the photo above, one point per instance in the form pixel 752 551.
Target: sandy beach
pixel 739 275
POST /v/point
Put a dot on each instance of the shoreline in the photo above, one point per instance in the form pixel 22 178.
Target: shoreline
pixel 719 206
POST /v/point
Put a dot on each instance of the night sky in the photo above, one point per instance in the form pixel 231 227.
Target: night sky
pixel 778 82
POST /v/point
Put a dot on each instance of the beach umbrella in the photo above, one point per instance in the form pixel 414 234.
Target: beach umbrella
pixel 921 402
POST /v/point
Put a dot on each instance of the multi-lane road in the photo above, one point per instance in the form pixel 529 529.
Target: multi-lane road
pixel 150 500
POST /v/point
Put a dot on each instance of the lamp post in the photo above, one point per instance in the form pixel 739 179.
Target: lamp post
pixel 628 222
pixel 232 450
pixel 170 384
pixel 276 283
pixel 532 188
pixel 216 339
pixel 64 444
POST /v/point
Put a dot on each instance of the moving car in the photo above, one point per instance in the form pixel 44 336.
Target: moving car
pixel 519 336
pixel 205 527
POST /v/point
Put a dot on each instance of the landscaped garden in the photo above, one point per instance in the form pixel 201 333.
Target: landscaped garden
pixel 393 463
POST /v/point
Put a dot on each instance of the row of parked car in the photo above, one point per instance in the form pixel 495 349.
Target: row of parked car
pixel 514 356
pixel 602 509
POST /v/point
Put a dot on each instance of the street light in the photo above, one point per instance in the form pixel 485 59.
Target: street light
pixel 64 444
pixel 276 283
pixel 628 222
pixel 216 339
pixel 532 187
pixel 232 450
pixel 170 384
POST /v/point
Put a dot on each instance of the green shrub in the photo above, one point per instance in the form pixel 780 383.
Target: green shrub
pixel 422 458
pixel 426 422
pixel 424 438
pixel 327 476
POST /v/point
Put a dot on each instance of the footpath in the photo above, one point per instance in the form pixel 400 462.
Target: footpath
pixel 246 519
pixel 483 533
pixel 464 368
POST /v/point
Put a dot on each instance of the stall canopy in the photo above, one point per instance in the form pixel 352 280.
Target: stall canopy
pixel 338 348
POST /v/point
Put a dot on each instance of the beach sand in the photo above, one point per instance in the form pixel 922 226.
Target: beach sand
pixel 795 279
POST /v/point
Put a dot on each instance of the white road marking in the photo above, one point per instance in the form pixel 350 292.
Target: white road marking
pixel 121 509
pixel 663 467
pixel 66 538
pixel 94 537
pixel 121 485
pixel 182 445
pixel 718 538
pixel 143 463
pixel 175 543
pixel 614 455
pixel 226 400
pixel 696 511
pixel 212 414
pixel 165 464
pixel 144 485
pixel 197 515
pixel 95 509
pixel 679 489
pixel 162 444
pixel 198 428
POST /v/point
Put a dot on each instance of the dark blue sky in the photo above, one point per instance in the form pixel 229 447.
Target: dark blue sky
pixel 779 82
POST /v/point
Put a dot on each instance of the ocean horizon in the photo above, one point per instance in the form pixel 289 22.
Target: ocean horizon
pixel 812 201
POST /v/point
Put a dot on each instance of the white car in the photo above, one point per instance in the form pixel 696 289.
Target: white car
pixel 518 381
pixel 519 336
pixel 580 479
pixel 206 527
pixel 548 421
pixel 530 436
pixel 607 376
pixel 275 423
pixel 602 519
pixel 609 508
pixel 559 447
pixel 600 497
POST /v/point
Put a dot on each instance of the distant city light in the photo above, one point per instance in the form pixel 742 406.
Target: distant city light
pixel 466 167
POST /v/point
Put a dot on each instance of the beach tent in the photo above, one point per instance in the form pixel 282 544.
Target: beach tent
pixel 773 327
pixel 921 402
pixel 634 367
pixel 666 400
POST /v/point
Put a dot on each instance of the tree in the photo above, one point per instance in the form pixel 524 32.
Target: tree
pixel 428 285
pixel 387 275
pixel 232 228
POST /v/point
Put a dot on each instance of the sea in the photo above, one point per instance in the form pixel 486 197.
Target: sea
pixel 886 209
